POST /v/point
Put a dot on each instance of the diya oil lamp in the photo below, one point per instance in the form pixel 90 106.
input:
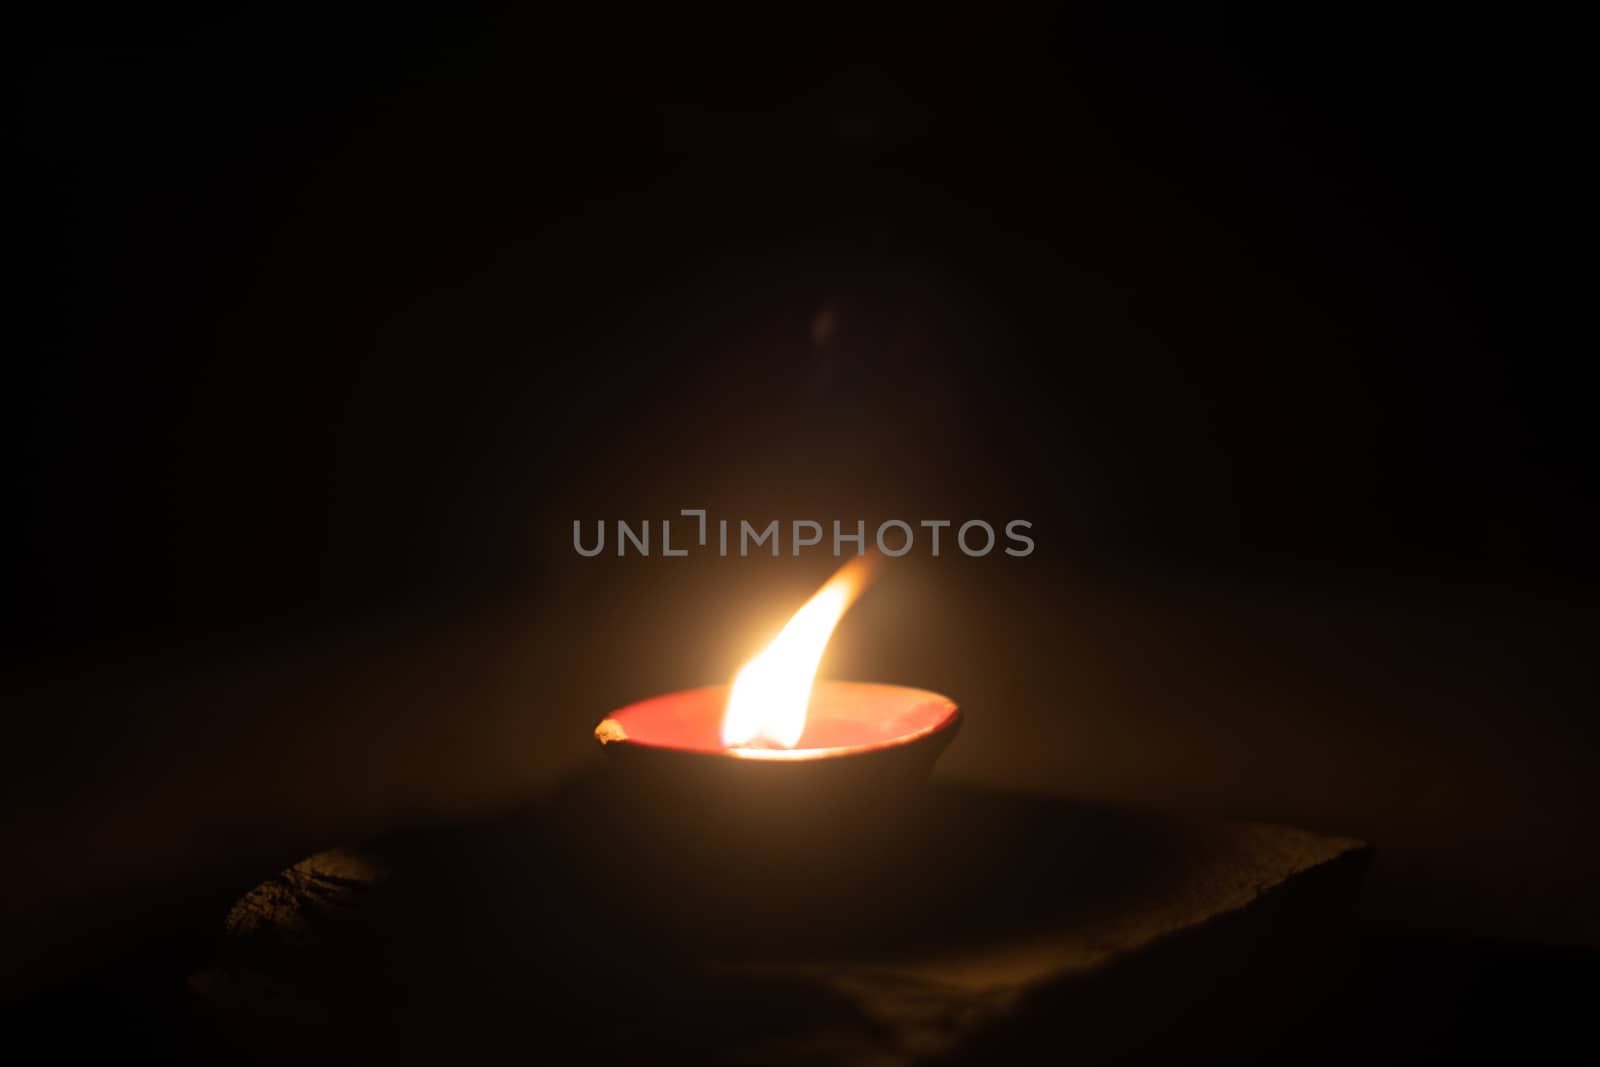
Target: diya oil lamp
pixel 776 728
pixel 777 778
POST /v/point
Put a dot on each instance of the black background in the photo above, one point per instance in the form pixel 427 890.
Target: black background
pixel 328 329
pixel 323 314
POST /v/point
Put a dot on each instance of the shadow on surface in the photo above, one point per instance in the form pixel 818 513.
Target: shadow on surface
pixel 540 929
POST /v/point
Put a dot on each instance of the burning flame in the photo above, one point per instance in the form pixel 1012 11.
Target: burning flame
pixel 767 701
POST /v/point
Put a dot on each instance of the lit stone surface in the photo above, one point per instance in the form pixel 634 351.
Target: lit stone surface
pixel 1001 924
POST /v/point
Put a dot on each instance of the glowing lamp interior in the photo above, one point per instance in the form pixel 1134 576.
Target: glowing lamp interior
pixel 770 696
pixel 844 718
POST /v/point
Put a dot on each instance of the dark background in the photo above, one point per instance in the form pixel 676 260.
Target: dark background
pixel 329 333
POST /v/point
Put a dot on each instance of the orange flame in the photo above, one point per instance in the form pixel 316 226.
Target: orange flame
pixel 768 699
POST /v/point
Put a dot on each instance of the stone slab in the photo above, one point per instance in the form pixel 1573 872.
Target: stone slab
pixel 1002 926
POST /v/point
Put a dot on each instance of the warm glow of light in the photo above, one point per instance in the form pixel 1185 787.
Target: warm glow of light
pixel 767 702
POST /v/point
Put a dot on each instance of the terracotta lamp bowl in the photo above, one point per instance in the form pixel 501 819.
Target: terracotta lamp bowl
pixel 877 739
pixel 770 841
